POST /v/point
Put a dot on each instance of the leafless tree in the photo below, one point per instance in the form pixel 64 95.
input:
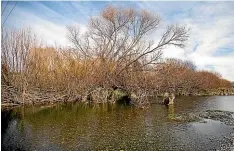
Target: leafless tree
pixel 119 35
pixel 16 45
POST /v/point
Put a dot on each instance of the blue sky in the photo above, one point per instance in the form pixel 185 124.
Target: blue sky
pixel 211 43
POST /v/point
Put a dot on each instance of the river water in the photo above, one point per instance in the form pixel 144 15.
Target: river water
pixel 75 126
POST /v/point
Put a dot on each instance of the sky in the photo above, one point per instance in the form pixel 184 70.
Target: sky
pixel 211 42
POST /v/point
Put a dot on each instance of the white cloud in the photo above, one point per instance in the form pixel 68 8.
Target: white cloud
pixel 211 29
pixel 46 31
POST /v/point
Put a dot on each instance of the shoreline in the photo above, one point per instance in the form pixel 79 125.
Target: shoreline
pixel 13 97
pixel 53 102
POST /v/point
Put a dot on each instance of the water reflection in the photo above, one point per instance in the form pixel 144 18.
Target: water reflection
pixel 84 127
pixel 171 111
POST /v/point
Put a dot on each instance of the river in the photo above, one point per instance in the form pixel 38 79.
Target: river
pixel 75 126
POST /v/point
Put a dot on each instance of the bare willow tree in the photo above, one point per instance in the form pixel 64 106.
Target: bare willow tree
pixel 119 35
pixel 15 47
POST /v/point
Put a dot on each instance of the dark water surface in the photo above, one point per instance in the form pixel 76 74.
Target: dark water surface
pixel 77 127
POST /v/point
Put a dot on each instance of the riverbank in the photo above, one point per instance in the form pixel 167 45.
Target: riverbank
pixel 12 97
pixel 217 92
pixel 227 117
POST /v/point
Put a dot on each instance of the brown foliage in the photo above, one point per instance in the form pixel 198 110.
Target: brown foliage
pixel 179 74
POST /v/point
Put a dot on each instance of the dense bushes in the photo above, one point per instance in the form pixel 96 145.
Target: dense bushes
pixel 49 68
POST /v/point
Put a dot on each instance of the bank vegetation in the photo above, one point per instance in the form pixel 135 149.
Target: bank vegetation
pixel 113 57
